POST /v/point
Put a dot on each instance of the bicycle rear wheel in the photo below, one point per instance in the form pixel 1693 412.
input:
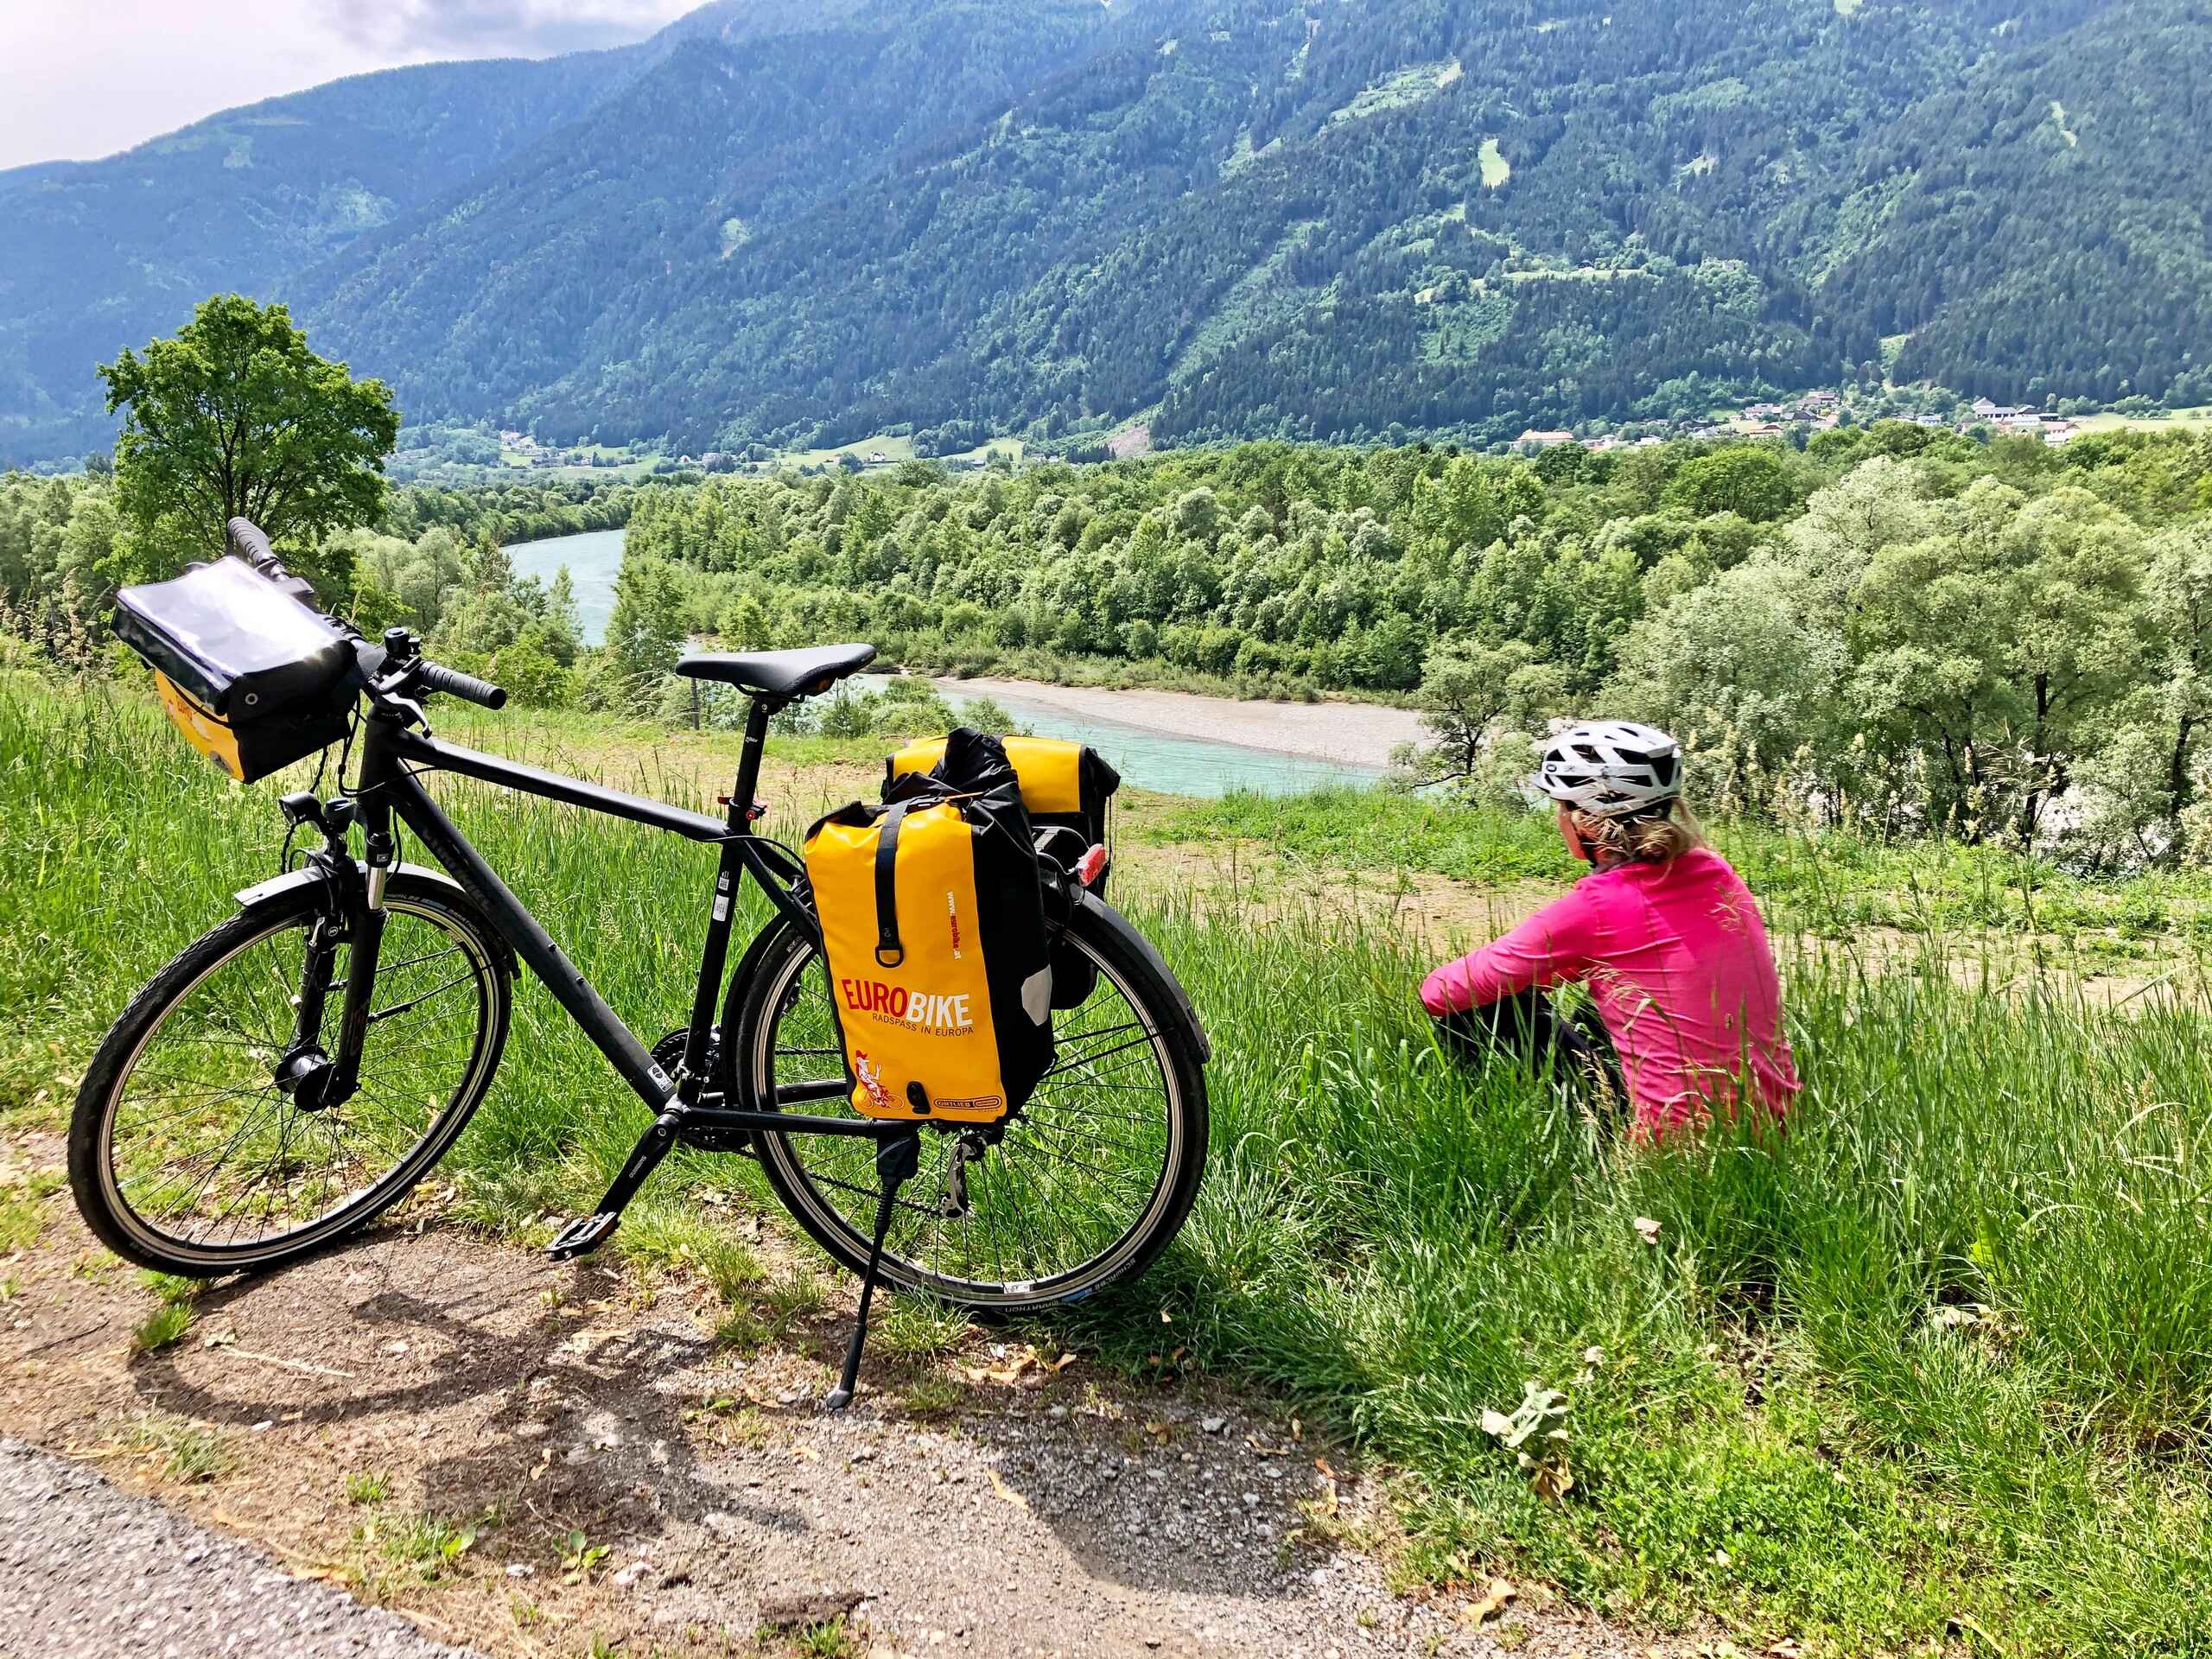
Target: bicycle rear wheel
pixel 1084 1185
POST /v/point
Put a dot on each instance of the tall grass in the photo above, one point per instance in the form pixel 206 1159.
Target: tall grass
pixel 1835 885
pixel 1944 1346
pixel 1938 1358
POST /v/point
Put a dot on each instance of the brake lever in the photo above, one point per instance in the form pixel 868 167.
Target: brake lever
pixel 390 689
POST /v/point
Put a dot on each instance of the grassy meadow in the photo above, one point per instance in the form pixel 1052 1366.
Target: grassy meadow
pixel 1836 886
pixel 1930 1372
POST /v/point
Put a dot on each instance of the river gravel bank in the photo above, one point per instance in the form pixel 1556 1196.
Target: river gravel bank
pixel 1351 734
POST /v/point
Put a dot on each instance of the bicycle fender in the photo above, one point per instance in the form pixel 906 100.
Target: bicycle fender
pixel 1186 1015
pixel 281 887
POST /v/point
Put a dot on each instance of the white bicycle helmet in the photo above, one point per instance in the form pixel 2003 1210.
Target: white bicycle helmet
pixel 1609 768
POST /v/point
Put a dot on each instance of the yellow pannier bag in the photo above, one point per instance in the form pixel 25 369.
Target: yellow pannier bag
pixel 1064 786
pixel 1064 782
pixel 932 922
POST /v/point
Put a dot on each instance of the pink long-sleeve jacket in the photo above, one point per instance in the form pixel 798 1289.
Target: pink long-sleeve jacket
pixel 1676 956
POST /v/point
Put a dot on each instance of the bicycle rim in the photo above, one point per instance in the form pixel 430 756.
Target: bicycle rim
pixel 202 1157
pixel 1069 1196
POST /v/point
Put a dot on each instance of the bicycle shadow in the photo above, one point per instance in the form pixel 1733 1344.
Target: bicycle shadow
pixel 525 1398
pixel 488 1380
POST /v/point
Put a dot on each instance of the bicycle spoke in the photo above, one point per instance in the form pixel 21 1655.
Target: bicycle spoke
pixel 211 1161
pixel 416 1003
pixel 1076 1171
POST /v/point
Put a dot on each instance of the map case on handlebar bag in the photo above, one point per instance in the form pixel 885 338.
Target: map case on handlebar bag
pixel 253 679
pixel 932 919
pixel 1064 786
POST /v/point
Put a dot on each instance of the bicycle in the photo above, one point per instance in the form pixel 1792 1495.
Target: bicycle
pixel 296 1070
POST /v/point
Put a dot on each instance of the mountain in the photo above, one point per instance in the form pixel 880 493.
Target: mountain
pixel 1326 219
pixel 109 253
pixel 573 249
pixel 2044 228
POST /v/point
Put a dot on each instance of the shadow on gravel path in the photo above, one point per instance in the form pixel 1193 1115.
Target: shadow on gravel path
pixel 534 1457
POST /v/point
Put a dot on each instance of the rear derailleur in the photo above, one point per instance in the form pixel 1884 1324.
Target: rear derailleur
pixel 967 1147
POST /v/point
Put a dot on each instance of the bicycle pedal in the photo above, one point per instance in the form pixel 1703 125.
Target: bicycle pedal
pixel 583 1235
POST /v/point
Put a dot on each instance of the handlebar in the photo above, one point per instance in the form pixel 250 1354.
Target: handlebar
pixel 253 545
pixel 436 677
pixel 403 673
pixel 246 537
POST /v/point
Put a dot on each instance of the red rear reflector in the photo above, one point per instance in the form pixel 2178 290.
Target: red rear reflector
pixel 1091 865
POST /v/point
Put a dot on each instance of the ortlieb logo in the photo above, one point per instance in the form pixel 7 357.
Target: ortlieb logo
pixel 924 1008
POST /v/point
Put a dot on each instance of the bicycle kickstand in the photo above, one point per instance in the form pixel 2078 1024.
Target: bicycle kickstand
pixel 896 1159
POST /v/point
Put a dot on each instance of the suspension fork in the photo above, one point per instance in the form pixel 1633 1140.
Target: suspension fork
pixel 366 927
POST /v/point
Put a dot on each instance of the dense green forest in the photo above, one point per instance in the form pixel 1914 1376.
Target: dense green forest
pixel 1897 628
pixel 773 227
pixel 1904 629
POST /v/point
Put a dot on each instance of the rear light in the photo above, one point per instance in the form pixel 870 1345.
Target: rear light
pixel 1091 865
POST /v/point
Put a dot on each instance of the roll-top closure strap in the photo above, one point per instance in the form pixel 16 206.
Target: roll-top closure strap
pixel 889 953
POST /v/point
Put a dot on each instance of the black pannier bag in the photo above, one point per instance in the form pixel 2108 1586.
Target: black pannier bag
pixel 254 679
pixel 933 921
pixel 1067 787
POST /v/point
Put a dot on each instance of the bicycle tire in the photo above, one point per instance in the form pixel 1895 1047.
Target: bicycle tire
pixel 93 1177
pixel 779 957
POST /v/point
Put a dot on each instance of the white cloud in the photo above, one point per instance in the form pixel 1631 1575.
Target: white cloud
pixel 79 81
pixel 475 29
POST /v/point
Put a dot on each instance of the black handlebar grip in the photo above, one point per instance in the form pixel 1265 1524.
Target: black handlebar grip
pixel 436 677
pixel 246 537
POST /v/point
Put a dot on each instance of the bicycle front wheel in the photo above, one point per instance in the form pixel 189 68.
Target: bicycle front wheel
pixel 186 1153
pixel 1085 1185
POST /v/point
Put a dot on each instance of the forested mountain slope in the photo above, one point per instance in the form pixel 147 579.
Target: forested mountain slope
pixel 2044 228
pixel 1325 220
pixel 1322 219
pixel 577 249
pixel 104 254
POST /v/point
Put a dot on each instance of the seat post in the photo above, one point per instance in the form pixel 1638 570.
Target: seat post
pixel 699 1034
pixel 748 765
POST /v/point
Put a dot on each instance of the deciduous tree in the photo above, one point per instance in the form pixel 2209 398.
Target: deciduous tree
pixel 235 416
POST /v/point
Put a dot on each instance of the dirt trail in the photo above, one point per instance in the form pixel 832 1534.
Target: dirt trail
pixel 560 1410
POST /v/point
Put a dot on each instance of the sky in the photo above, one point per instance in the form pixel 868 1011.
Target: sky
pixel 82 79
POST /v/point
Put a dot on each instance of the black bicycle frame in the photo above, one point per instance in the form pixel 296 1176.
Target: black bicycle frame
pixel 393 758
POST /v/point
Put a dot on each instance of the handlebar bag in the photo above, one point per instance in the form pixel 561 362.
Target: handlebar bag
pixel 933 923
pixel 254 679
pixel 1064 786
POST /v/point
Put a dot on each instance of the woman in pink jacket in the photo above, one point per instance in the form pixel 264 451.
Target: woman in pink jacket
pixel 1662 930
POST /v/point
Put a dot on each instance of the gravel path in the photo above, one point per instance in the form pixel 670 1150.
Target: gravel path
pixel 85 1569
pixel 618 1478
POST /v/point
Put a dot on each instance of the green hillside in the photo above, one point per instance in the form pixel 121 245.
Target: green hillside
pixel 963 218
pixel 106 254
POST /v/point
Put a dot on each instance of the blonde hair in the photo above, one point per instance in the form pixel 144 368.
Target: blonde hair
pixel 1651 837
